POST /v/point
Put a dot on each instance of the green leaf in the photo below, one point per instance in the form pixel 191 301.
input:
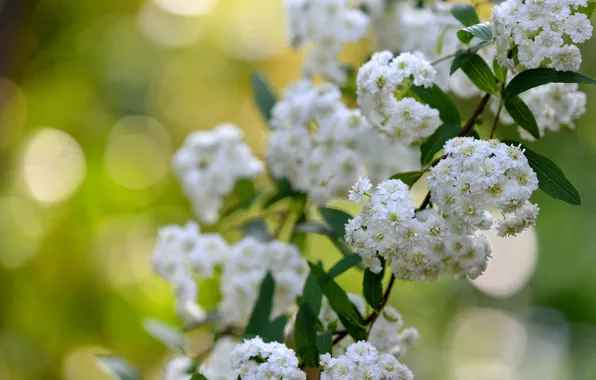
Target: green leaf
pixel 305 336
pixel 465 13
pixel 500 71
pixel 460 58
pixel 339 301
pixel 257 228
pixel 551 179
pixel 325 343
pixel 336 219
pixel 119 367
pixel 479 72
pixel 543 75
pixel 198 376
pixel 344 264
pixel 409 178
pixel 312 294
pixel 273 331
pixel 522 115
pixel 437 99
pixel 263 306
pixel 170 336
pixel 299 238
pixel 589 9
pixel 483 31
pixel 437 141
pixel 264 96
pixel 284 190
pixel 372 288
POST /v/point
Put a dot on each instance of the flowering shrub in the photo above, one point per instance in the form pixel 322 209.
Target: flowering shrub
pixel 284 317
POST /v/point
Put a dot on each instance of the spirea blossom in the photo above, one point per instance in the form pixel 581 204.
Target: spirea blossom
pixel 388 335
pixel 555 106
pixel 477 175
pixel 537 33
pixel 209 164
pixel 418 246
pixel 327 24
pixel 257 360
pixel 182 252
pixel 363 361
pixel 321 147
pixel 244 271
pixel 406 120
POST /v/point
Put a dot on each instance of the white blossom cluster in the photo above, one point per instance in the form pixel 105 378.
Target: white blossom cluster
pixel 322 147
pixel 416 245
pixel 406 120
pixel 363 361
pixel 388 335
pixel 246 268
pixel 218 365
pixel 209 164
pixel 477 175
pixel 538 32
pixel 327 25
pixel 181 252
pixel 177 368
pixel 257 360
pixel 555 107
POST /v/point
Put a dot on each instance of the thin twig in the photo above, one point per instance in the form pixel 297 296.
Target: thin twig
pixel 494 128
pixel 439 60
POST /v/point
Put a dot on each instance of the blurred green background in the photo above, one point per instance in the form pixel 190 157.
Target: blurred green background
pixel 95 96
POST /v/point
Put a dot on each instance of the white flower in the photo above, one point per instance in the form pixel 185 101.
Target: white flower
pixel 386 333
pixel 209 164
pixel 359 189
pixel 276 361
pixel 178 369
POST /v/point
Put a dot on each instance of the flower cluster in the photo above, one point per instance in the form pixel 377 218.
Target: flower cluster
pixel 256 360
pixel 245 269
pixel 555 106
pixel 180 253
pixel 406 120
pixel 209 164
pixel 535 32
pixel 363 361
pixel 322 147
pixel 218 365
pixel 388 335
pixel 327 24
pixel 477 175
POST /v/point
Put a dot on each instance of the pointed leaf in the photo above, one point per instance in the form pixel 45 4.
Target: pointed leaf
pixel 437 99
pixel 312 294
pixel 479 72
pixel 264 96
pixel 344 264
pixel 522 115
pixel 274 330
pixel 305 336
pixel 339 301
pixel 325 343
pixel 372 288
pixel 263 306
pixel 119 367
pixel 336 219
pixel 465 13
pixel 437 141
pixel 551 178
pixel 483 31
pixel 537 77
pixel 500 71
pixel 409 178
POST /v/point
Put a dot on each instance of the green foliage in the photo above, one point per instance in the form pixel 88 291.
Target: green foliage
pixel 477 70
pixel 500 71
pixel 198 376
pixel 349 261
pixel 465 13
pixel 170 336
pixel 372 288
pixel 263 95
pixel 257 228
pixel 273 331
pixel 551 179
pixel 119 367
pixel 541 76
pixel 283 190
pixel 311 293
pixel 483 31
pixel 589 9
pixel 339 301
pixel 409 178
pixel 325 343
pixel 263 306
pixel 245 194
pixel 437 99
pixel 436 142
pixel 336 219
pixel 305 335
pixel 522 115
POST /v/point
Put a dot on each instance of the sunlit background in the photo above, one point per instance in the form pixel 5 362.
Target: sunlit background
pixel 95 96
